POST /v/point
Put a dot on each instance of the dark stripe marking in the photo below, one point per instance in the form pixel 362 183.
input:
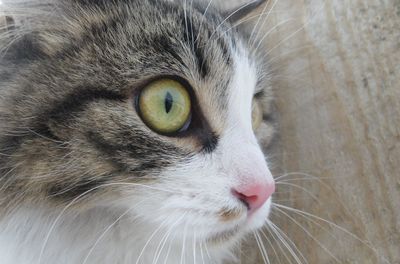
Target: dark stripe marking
pixel 76 102
pixel 72 190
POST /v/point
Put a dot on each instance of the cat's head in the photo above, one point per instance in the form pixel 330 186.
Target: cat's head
pixel 142 105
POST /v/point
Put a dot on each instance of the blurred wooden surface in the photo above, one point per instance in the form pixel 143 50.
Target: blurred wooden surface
pixel 337 83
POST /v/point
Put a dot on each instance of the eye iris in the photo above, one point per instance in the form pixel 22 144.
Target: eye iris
pixel 165 106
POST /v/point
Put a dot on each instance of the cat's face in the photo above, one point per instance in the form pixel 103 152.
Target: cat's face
pixel 144 106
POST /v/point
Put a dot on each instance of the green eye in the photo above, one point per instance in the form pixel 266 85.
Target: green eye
pixel 256 115
pixel 165 106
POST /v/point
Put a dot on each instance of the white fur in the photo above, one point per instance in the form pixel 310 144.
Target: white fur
pixel 187 204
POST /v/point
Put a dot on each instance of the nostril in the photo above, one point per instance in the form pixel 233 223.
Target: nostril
pixel 243 198
pixel 254 196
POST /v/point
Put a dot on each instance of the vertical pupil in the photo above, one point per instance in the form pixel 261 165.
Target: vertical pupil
pixel 168 102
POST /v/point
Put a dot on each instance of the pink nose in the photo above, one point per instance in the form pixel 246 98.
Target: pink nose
pixel 254 196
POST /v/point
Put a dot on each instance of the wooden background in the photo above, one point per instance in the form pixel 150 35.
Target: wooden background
pixel 337 78
pixel 337 85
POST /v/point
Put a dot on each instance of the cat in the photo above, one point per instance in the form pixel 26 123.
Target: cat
pixel 128 132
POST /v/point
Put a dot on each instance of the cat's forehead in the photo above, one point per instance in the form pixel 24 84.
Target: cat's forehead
pixel 154 39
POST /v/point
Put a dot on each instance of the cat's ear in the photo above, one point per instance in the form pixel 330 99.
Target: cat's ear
pixel 30 33
pixel 238 13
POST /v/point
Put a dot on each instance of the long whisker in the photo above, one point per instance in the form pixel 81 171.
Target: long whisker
pixel 284 241
pixel 284 54
pixel 150 238
pixel 344 230
pixel 271 245
pixel 52 227
pixel 259 246
pixel 320 226
pixel 279 242
pixel 183 243
pixel 307 177
pixel 298 187
pixel 105 232
pixel 165 238
pixel 202 19
pixel 309 234
pixel 240 23
pixel 295 174
pixel 194 248
pixel 263 23
pixel 169 250
pixel 293 34
pixel 289 241
pixel 255 27
pixel 268 33
pixel 207 252
pixel 160 246
pixel 202 253
pixel 227 18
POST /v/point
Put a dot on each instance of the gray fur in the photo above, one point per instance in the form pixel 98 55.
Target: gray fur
pixel 69 74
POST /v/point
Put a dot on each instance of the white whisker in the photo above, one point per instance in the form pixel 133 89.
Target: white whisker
pixel 299 187
pixel 352 235
pixel 194 248
pixel 294 33
pixel 310 235
pixel 279 242
pixel 150 238
pixel 52 227
pixel 105 232
pixel 183 244
pixel 270 31
pixel 262 248
pixel 293 247
pixel 202 253
pixel 263 23
pixel 169 249
pixel 270 244
pixel 165 238
pixel 202 19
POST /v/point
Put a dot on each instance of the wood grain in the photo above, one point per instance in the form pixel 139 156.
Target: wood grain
pixel 336 77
